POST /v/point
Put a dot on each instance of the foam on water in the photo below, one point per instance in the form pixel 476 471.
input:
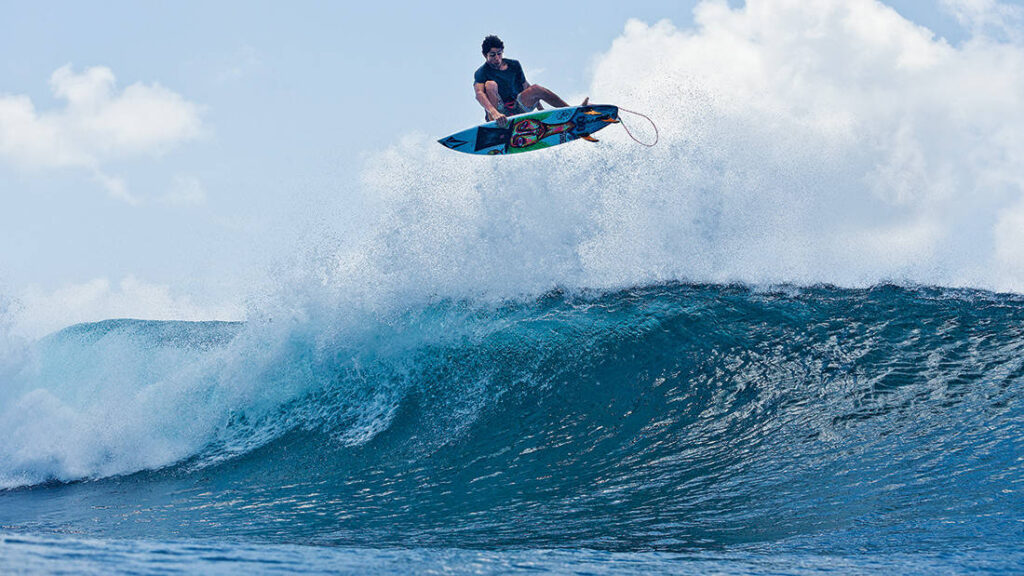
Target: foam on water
pixel 120 396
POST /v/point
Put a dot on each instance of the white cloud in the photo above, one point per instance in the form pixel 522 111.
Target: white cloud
pixel 40 312
pixel 844 141
pixel 97 124
pixel 116 187
pixel 185 191
pixel 988 17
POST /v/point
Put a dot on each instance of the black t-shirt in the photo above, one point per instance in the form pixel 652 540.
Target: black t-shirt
pixel 510 81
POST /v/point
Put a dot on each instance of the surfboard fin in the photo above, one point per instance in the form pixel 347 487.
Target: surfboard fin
pixel 589 138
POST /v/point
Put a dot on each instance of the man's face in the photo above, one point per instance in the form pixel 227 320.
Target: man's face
pixel 494 56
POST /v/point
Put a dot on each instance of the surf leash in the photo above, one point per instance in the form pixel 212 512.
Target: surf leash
pixel 644 116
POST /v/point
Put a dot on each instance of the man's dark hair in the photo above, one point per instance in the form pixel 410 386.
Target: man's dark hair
pixel 492 41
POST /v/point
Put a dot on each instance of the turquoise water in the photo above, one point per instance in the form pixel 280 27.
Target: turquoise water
pixel 671 428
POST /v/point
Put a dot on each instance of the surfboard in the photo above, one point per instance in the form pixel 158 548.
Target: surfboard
pixel 534 130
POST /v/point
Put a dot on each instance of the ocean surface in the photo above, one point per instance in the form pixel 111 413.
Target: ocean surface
pixel 665 428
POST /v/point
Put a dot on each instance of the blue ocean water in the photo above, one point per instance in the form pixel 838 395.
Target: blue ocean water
pixel 673 428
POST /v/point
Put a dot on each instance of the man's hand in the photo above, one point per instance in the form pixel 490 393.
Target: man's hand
pixel 500 118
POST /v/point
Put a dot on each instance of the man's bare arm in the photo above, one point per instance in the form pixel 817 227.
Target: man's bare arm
pixel 484 101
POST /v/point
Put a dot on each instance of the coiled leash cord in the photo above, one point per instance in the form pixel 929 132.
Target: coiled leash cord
pixel 626 128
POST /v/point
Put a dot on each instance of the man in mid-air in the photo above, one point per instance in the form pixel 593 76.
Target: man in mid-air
pixel 502 89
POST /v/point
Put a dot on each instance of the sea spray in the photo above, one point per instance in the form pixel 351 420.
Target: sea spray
pixel 839 144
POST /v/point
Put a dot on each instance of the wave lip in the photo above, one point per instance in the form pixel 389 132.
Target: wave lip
pixel 112 397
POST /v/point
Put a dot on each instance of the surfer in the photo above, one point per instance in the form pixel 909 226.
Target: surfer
pixel 501 87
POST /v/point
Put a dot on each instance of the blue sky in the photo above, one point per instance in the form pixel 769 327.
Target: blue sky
pixel 287 101
pixel 291 95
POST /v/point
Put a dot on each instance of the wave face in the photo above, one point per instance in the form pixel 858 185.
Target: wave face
pixel 669 417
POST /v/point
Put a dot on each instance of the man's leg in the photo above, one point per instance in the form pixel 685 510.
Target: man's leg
pixel 537 93
pixel 491 89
